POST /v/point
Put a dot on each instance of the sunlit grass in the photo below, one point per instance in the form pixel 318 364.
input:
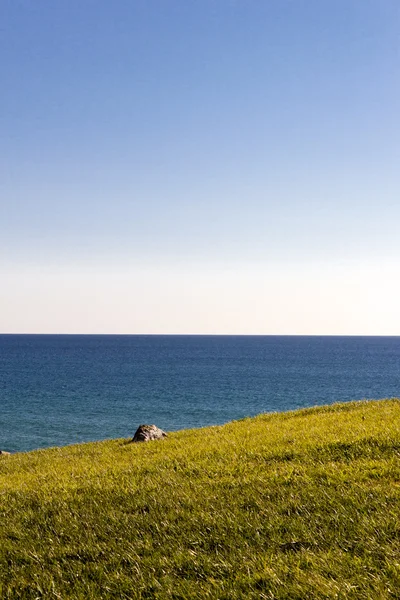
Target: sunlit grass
pixel 303 504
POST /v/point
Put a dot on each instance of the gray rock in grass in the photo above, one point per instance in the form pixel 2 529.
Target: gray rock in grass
pixel 146 433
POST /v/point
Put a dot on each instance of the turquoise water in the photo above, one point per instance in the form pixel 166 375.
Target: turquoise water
pixel 57 390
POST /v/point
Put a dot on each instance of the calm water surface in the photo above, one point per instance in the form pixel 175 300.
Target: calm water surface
pixel 63 389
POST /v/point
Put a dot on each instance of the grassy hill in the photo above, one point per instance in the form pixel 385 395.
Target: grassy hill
pixel 295 505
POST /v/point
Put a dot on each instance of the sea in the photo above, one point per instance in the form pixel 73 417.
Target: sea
pixel 65 389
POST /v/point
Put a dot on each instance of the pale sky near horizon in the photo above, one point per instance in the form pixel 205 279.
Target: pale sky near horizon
pixel 200 166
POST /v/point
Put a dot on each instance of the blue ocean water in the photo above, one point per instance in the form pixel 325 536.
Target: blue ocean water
pixel 63 389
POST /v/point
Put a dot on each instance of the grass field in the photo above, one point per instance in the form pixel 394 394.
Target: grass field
pixel 295 505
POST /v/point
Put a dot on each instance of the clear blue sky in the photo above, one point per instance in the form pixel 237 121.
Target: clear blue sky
pixel 200 166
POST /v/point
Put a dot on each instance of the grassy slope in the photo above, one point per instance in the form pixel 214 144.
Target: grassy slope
pixel 295 505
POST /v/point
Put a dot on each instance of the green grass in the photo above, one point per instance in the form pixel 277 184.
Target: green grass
pixel 296 505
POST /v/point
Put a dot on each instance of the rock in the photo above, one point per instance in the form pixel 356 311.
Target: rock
pixel 145 433
pixel 4 453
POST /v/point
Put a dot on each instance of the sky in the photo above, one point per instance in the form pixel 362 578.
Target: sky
pixel 200 166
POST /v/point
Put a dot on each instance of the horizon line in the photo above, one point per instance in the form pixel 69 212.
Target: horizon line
pixel 204 334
